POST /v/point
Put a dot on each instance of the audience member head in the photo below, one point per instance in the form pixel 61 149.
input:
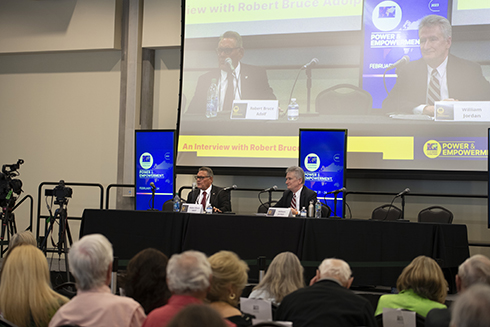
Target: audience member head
pixel 229 277
pixel 25 291
pixel 336 269
pixel 91 261
pixel 189 273
pixel 284 276
pixel 197 315
pixel 475 269
pixel 424 276
pixel 21 238
pixel 146 279
pixel 295 178
pixel 471 307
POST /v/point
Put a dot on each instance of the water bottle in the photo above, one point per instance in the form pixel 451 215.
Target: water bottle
pixel 311 209
pixel 318 209
pixel 212 100
pixel 209 209
pixel 176 203
pixel 293 110
pixel 303 212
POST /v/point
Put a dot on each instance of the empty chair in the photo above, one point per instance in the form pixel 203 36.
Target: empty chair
pixel 168 205
pixel 345 99
pixel 386 212
pixel 326 211
pixel 435 214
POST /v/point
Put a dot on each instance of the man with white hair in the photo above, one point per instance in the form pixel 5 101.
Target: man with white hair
pixel 475 269
pixel 327 301
pixel 188 278
pixel 471 307
pixel 94 305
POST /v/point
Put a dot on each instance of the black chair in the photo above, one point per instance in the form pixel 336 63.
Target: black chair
pixel 346 99
pixel 264 207
pixel 326 211
pixel 268 324
pixel 386 212
pixel 168 205
pixel 435 214
pixel 419 320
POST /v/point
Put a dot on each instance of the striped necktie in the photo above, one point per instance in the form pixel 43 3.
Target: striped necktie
pixel 434 90
pixel 293 201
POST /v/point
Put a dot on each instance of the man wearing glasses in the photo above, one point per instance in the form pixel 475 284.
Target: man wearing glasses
pixel 207 193
pixel 236 80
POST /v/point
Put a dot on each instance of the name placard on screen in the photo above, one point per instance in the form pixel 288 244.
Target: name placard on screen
pixel 255 109
pixel 466 111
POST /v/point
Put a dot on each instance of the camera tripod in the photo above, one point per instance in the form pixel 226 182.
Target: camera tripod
pixel 64 234
pixel 9 226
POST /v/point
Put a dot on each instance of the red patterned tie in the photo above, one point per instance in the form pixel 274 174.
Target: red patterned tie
pixel 293 202
pixel 203 201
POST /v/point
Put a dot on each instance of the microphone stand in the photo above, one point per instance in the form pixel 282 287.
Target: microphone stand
pixel 403 207
pixel 152 199
pixel 308 88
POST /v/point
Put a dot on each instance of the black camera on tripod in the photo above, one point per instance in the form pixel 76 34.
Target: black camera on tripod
pixel 60 192
pixel 9 185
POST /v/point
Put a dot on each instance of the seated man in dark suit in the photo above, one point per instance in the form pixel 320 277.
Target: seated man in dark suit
pixel 207 193
pixel 236 80
pixel 297 195
pixel 327 301
pixel 437 76
pixel 475 269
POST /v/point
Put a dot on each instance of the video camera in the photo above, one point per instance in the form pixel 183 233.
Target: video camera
pixel 61 192
pixel 9 185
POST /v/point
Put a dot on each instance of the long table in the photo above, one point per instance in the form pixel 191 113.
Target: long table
pixel 376 250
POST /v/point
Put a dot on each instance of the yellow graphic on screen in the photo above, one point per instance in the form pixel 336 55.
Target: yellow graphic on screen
pixel 391 147
pixel 219 11
pixel 473 4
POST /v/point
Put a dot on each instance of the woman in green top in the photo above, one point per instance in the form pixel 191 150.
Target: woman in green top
pixel 421 287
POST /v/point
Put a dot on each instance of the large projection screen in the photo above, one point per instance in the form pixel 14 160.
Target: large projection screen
pixel 280 38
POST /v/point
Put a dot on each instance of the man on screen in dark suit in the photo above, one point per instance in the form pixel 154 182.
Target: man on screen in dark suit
pixel 207 193
pixel 297 195
pixel 236 80
pixel 437 76
pixel 327 301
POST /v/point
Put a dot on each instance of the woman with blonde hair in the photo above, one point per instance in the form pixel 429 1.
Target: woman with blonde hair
pixel 26 297
pixel 228 281
pixel 421 288
pixel 284 276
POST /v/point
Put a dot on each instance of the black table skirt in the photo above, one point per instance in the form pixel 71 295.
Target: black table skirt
pixel 376 250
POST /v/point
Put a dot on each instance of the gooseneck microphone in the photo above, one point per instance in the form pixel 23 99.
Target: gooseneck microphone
pixel 273 188
pixel 229 62
pixel 402 61
pixel 405 191
pixel 153 187
pixel 343 189
pixel 233 187
pixel 312 62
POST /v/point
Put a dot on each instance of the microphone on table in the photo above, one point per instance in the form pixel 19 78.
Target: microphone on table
pixel 233 187
pixel 405 191
pixel 229 62
pixel 402 61
pixel 273 188
pixel 343 189
pixel 312 62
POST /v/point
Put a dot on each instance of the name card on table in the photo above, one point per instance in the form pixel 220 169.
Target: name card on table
pixel 465 111
pixel 191 208
pixel 255 109
pixel 279 212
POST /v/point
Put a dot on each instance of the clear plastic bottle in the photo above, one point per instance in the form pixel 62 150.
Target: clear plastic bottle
pixel 303 212
pixel 293 110
pixel 209 209
pixel 212 100
pixel 318 209
pixel 176 201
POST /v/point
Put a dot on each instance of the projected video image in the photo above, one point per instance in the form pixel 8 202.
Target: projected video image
pixel 255 72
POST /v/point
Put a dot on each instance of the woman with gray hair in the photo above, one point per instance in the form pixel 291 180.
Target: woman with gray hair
pixel 90 261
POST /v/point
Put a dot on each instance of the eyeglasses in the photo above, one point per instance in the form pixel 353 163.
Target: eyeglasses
pixel 226 51
pixel 200 177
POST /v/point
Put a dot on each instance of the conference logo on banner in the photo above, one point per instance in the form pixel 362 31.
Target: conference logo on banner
pixel 312 162
pixel 454 148
pixel 146 160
